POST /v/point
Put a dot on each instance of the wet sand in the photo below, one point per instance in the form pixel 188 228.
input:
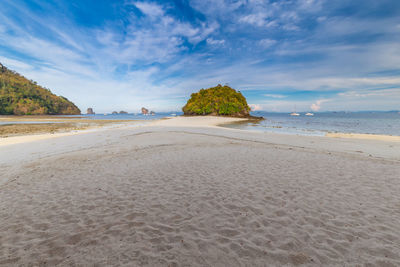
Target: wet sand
pixel 34 125
pixel 188 193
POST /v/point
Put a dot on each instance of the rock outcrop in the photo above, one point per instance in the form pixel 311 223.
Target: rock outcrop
pixel 145 111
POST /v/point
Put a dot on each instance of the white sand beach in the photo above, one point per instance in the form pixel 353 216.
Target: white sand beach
pixel 185 192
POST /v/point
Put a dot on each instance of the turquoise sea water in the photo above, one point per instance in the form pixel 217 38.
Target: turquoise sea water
pixel 386 123
pixel 129 116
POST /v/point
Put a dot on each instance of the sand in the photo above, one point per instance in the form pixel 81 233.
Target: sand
pixel 27 126
pixel 365 136
pixel 171 194
pixel 199 121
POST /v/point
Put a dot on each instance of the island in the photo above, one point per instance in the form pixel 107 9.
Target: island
pixel 20 96
pixel 145 111
pixel 90 111
pixel 218 101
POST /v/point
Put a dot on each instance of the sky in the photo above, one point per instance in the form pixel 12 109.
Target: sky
pixel 303 55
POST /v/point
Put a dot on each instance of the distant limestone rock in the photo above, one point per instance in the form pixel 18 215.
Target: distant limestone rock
pixel 145 111
pixel 114 112
pixel 123 112
pixel 90 111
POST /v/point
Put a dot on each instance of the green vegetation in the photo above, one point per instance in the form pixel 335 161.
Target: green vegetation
pixel 219 100
pixel 19 96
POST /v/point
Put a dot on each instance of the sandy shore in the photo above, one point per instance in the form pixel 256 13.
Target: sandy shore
pixel 199 121
pixel 183 192
pixel 27 126
pixel 365 136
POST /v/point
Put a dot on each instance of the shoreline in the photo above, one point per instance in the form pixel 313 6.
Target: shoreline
pixel 179 121
pixel 68 131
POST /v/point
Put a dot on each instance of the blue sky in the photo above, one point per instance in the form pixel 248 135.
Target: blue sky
pixel 316 55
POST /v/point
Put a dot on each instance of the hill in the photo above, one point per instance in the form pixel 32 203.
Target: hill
pixel 20 96
pixel 218 100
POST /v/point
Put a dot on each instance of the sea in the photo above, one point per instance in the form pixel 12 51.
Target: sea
pixel 128 116
pixel 105 116
pixel 383 123
pixel 321 123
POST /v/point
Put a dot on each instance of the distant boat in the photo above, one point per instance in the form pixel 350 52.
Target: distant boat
pixel 173 114
pixel 294 113
pixel 309 114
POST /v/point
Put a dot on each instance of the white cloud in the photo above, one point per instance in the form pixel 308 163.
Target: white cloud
pixel 212 41
pixel 204 31
pixel 311 5
pixel 266 43
pixel 255 107
pixel 217 8
pixel 150 9
pixel 258 19
pixel 274 95
pixel 14 64
pixel 393 92
pixel 283 106
pixel 317 105
pixel 290 27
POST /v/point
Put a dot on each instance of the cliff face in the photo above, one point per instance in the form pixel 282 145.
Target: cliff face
pixel 20 96
pixel 219 100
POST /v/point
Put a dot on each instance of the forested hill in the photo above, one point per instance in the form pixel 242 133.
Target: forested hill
pixel 219 100
pixel 20 96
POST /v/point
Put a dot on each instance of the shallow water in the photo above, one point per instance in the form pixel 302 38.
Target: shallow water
pixel 385 123
pixel 129 116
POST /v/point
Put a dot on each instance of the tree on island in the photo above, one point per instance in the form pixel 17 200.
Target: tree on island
pixel 218 100
pixel 20 96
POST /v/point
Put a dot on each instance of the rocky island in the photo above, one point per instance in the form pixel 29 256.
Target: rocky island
pixel 145 111
pixel 218 101
pixel 90 111
pixel 20 96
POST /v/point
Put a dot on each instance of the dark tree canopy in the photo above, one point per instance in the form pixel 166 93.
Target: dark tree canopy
pixel 20 96
pixel 218 100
